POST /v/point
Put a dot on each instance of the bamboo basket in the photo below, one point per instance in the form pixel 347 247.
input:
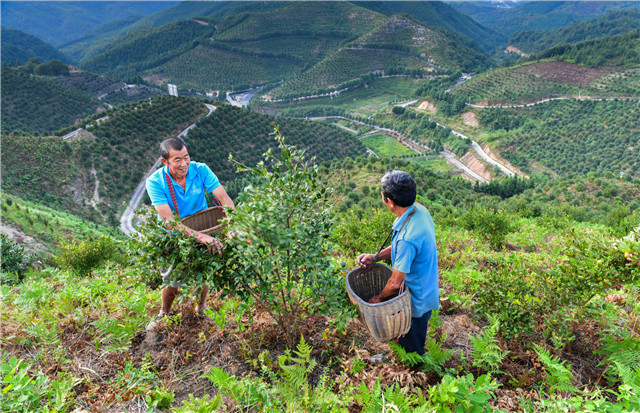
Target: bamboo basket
pixel 206 221
pixel 387 320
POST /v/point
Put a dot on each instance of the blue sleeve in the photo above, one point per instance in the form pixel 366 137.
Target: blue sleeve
pixel 405 253
pixel 209 179
pixel 156 192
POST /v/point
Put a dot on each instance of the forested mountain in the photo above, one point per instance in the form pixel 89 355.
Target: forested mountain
pixel 619 50
pixel 57 22
pixel 612 23
pixel 538 15
pixel 149 48
pixel 439 14
pixel 100 37
pixel 18 47
pixel 399 46
pixel 39 104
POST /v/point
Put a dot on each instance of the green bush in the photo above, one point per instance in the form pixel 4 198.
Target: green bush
pixel 279 255
pixel 357 235
pixel 155 247
pixel 14 261
pixel 490 224
pixel 83 256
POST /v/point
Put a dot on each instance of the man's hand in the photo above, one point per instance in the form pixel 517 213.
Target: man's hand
pixel 366 260
pixel 213 244
pixel 375 299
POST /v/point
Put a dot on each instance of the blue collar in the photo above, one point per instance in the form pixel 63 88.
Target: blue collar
pixel 397 224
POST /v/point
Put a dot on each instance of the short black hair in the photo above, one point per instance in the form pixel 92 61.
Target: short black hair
pixel 172 143
pixel 400 187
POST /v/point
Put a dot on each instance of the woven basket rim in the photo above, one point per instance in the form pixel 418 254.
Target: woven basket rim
pixel 361 301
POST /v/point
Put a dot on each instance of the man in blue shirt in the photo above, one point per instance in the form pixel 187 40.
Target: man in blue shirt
pixel 413 255
pixel 179 186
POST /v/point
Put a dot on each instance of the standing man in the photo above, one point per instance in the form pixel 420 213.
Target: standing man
pixel 180 187
pixel 413 255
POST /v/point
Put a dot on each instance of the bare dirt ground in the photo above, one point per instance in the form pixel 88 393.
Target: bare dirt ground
pixel 563 72
pixel 471 160
pixel 427 107
pixel 470 119
pixel 503 161
pixel 156 78
pixel 30 244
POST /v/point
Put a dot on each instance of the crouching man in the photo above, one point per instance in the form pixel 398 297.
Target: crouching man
pixel 413 256
pixel 179 186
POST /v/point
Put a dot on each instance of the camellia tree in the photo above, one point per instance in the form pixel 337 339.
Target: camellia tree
pixel 279 252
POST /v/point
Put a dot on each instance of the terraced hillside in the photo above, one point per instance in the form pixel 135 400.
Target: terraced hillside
pixel 34 104
pixel 549 79
pixel 573 137
pixel 398 46
pixel 247 135
pixel 93 174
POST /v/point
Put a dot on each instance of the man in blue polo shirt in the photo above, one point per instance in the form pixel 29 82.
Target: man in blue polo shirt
pixel 179 186
pixel 413 256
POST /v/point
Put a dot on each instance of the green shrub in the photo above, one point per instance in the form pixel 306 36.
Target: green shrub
pixel 279 255
pixel 359 235
pixel 490 224
pixel 83 256
pixel 14 261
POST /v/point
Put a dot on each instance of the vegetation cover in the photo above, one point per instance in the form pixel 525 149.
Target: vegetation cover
pixel 39 104
pixel 18 47
pixel 612 23
pixel 566 337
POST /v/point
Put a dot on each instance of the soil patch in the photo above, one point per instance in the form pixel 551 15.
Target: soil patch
pixel 428 107
pixel 156 78
pixel 470 119
pixel 563 72
pixel 503 161
pixel 30 244
pixel 471 160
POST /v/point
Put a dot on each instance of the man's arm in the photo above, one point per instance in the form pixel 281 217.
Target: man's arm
pixel 367 260
pixel 223 197
pixel 212 243
pixel 391 289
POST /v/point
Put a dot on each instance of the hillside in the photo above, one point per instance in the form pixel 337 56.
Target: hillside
pixel 440 14
pixel 247 135
pixel 538 15
pixel 611 24
pixel 605 67
pixel 18 47
pixel 100 37
pixel 61 21
pixel 40 104
pixel 89 183
pixel 148 48
pixel 513 296
pixel 80 175
pixel 399 46
pixel 571 137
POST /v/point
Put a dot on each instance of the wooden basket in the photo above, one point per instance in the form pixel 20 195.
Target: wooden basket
pixel 206 221
pixel 386 320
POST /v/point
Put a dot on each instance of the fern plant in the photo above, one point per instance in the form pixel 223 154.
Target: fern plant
pixel 433 359
pixel 289 391
pixel 392 399
pixel 485 351
pixel 558 375
pixel 623 360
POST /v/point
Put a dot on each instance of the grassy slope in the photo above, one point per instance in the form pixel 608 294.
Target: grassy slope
pixel 98 320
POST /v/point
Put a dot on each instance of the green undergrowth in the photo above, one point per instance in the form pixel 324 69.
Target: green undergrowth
pixel 554 300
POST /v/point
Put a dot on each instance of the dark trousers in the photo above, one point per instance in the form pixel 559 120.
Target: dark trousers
pixel 414 339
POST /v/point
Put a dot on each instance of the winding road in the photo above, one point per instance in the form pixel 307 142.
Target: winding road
pixel 126 220
pixel 449 156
